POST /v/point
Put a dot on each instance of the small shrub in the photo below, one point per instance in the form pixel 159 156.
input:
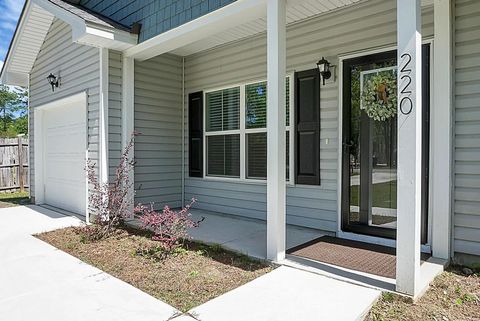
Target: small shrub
pixel 169 227
pixel 111 203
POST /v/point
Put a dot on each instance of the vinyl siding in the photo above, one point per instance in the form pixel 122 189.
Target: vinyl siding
pixel 467 127
pixel 158 149
pixel 363 26
pixel 78 67
pixel 114 110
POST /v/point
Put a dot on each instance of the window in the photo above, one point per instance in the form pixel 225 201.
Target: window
pixel 236 131
pixel 223 132
pixel 256 129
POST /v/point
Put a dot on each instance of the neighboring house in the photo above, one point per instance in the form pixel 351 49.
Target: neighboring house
pixel 191 77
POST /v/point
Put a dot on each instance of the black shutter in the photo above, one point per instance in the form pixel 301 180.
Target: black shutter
pixel 195 134
pixel 307 127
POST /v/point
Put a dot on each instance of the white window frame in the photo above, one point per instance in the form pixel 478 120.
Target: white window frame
pixel 243 131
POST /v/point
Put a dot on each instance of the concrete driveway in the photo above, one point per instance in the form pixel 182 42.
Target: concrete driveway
pixel 39 282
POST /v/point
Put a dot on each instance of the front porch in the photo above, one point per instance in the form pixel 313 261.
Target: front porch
pixel 208 131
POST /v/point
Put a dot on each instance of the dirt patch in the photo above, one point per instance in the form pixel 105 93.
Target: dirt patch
pixel 194 274
pixel 452 296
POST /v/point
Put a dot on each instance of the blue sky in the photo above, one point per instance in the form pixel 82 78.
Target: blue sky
pixel 10 11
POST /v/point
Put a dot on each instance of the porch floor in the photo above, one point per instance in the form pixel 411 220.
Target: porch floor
pixel 248 236
pixel 244 235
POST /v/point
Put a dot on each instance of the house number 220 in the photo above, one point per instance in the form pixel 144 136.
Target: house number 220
pixel 406 104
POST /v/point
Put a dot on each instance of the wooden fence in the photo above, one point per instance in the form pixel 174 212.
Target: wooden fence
pixel 13 164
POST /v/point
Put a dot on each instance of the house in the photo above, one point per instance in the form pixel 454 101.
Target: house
pixel 338 146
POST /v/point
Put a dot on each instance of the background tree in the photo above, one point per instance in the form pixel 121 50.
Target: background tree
pixel 13 111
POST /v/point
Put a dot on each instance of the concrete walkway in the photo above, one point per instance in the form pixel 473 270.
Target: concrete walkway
pixel 39 282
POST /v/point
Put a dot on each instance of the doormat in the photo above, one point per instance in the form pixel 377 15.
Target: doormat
pixel 364 257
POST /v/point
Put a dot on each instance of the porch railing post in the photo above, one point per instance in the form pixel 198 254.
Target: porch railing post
pixel 276 73
pixel 409 146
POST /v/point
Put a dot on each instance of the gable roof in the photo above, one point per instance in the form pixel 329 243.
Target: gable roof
pixel 88 28
pixel 89 15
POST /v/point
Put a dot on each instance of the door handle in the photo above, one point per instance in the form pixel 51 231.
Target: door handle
pixel 348 144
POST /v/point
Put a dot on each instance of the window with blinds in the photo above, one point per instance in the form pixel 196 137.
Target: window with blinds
pixel 222 131
pixel 225 131
pixel 256 129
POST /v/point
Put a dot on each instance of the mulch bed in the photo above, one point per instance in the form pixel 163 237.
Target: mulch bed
pixel 452 296
pixel 192 275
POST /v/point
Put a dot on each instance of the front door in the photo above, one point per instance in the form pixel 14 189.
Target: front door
pixel 369 171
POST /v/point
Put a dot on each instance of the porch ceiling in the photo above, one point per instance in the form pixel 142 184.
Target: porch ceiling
pixel 297 10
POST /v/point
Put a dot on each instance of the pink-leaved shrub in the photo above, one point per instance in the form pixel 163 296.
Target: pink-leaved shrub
pixel 110 203
pixel 169 227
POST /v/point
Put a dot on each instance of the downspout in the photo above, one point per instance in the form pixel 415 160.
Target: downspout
pixel 183 131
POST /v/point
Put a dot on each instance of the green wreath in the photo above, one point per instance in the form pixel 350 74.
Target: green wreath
pixel 379 96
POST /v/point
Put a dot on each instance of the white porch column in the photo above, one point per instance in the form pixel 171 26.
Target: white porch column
pixel 276 73
pixel 409 145
pixel 442 130
pixel 103 118
pixel 128 101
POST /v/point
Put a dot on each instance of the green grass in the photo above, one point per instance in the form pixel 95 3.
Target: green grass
pixel 14 199
pixel 384 195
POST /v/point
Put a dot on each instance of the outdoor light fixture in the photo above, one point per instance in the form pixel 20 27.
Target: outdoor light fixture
pixel 324 69
pixel 53 81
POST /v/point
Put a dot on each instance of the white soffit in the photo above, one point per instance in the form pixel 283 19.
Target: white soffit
pixel 297 10
pixel 33 27
pixel 33 34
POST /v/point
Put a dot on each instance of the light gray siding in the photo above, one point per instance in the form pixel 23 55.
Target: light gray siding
pixel 114 110
pixel 158 119
pixel 467 128
pixel 366 25
pixel 78 67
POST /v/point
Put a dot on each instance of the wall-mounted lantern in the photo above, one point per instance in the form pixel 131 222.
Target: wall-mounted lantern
pixel 53 81
pixel 324 69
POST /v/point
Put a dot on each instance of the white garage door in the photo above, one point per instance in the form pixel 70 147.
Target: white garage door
pixel 64 131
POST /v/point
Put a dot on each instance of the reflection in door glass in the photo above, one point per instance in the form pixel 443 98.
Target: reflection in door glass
pixel 373 145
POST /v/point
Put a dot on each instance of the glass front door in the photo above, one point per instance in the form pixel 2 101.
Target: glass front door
pixel 369 176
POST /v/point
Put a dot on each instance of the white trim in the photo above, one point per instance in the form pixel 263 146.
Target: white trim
pixel 103 117
pixel 128 105
pixel 39 141
pixel 237 13
pixel 183 132
pixel 441 130
pixel 29 149
pixel 83 32
pixel 90 34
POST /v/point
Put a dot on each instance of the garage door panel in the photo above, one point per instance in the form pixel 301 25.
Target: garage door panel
pixel 64 157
